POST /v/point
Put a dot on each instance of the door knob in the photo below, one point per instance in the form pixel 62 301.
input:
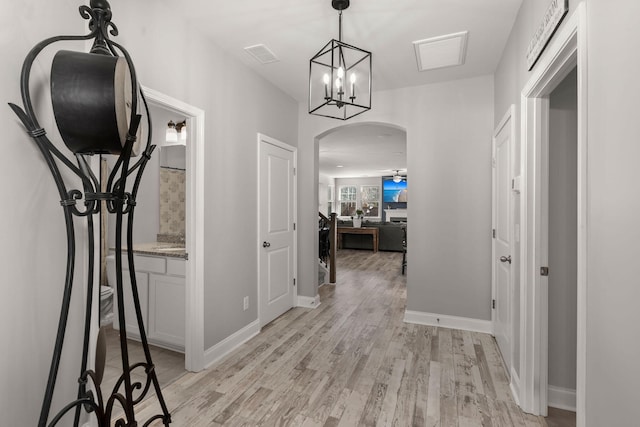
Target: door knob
pixel 506 259
pixel 266 244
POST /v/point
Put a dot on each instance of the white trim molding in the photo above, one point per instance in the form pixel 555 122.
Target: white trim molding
pixel 307 302
pixel 451 322
pixel 194 289
pixel 514 385
pixel 562 398
pixel 567 50
pixel 219 351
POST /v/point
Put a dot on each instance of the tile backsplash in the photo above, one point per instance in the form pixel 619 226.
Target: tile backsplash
pixel 172 202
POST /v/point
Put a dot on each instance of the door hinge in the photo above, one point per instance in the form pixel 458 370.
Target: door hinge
pixel 294 171
pixel 544 271
pixel 493 304
pixel 294 226
pixel 186 256
pixel 294 281
pixel 494 233
pixel 513 184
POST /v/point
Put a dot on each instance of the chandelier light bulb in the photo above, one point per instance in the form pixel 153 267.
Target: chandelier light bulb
pixel 339 83
pixel 353 86
pixel 340 72
pixel 326 79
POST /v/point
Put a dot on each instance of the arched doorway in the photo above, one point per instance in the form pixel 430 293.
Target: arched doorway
pixel 356 164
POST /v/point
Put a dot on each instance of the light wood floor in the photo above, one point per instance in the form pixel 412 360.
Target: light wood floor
pixel 169 364
pixel 351 361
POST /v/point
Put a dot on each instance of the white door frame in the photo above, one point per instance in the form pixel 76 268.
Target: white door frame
pixel 194 281
pixel 267 139
pixel 510 115
pixel 566 51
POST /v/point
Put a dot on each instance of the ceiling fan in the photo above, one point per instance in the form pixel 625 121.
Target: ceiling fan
pixel 397 177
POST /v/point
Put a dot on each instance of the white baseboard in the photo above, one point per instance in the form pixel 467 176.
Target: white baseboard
pixel 562 398
pixel 444 321
pixel 514 385
pixel 233 341
pixel 308 302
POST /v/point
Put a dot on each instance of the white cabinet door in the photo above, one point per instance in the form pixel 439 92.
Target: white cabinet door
pixel 166 310
pixel 142 280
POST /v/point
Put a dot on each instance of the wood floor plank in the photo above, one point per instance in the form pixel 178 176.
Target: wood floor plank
pixel 353 411
pixel 433 396
pixel 448 397
pixel 352 362
pixel 391 398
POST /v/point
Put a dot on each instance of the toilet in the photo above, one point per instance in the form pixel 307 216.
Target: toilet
pixel 106 305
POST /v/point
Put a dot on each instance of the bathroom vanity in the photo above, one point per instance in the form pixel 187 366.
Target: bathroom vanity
pixel 160 275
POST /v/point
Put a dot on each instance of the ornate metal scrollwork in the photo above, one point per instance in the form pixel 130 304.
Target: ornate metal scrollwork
pixel 85 203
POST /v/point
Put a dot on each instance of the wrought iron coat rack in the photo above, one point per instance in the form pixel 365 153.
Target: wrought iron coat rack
pixel 71 108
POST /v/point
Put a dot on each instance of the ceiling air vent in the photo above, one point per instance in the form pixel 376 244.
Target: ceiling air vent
pixel 442 51
pixel 261 53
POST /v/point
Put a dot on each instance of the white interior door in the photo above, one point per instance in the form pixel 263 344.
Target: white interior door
pixel 276 229
pixel 503 236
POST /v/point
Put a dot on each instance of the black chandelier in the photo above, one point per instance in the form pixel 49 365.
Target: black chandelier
pixel 97 104
pixel 340 77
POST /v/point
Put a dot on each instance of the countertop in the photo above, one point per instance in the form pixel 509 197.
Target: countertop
pixel 171 250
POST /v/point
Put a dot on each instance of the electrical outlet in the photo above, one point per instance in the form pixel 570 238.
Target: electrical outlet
pixel 246 303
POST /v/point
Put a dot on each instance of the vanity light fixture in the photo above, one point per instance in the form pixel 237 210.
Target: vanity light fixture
pixel 176 133
pixel 172 133
pixel 340 77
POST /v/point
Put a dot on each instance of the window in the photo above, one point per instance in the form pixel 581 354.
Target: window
pixel 364 197
pixel 370 200
pixel 330 199
pixel 348 200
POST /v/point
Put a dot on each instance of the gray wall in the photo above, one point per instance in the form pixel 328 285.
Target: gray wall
pixel 450 168
pixel 33 250
pixel 613 249
pixel 238 104
pixel 510 77
pixel 324 182
pixel 563 232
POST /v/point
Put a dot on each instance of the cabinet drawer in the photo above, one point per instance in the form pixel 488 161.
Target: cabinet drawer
pixel 150 264
pixel 145 263
pixel 176 267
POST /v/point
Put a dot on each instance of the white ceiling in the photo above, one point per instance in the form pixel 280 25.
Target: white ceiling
pixel 363 150
pixel 296 29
